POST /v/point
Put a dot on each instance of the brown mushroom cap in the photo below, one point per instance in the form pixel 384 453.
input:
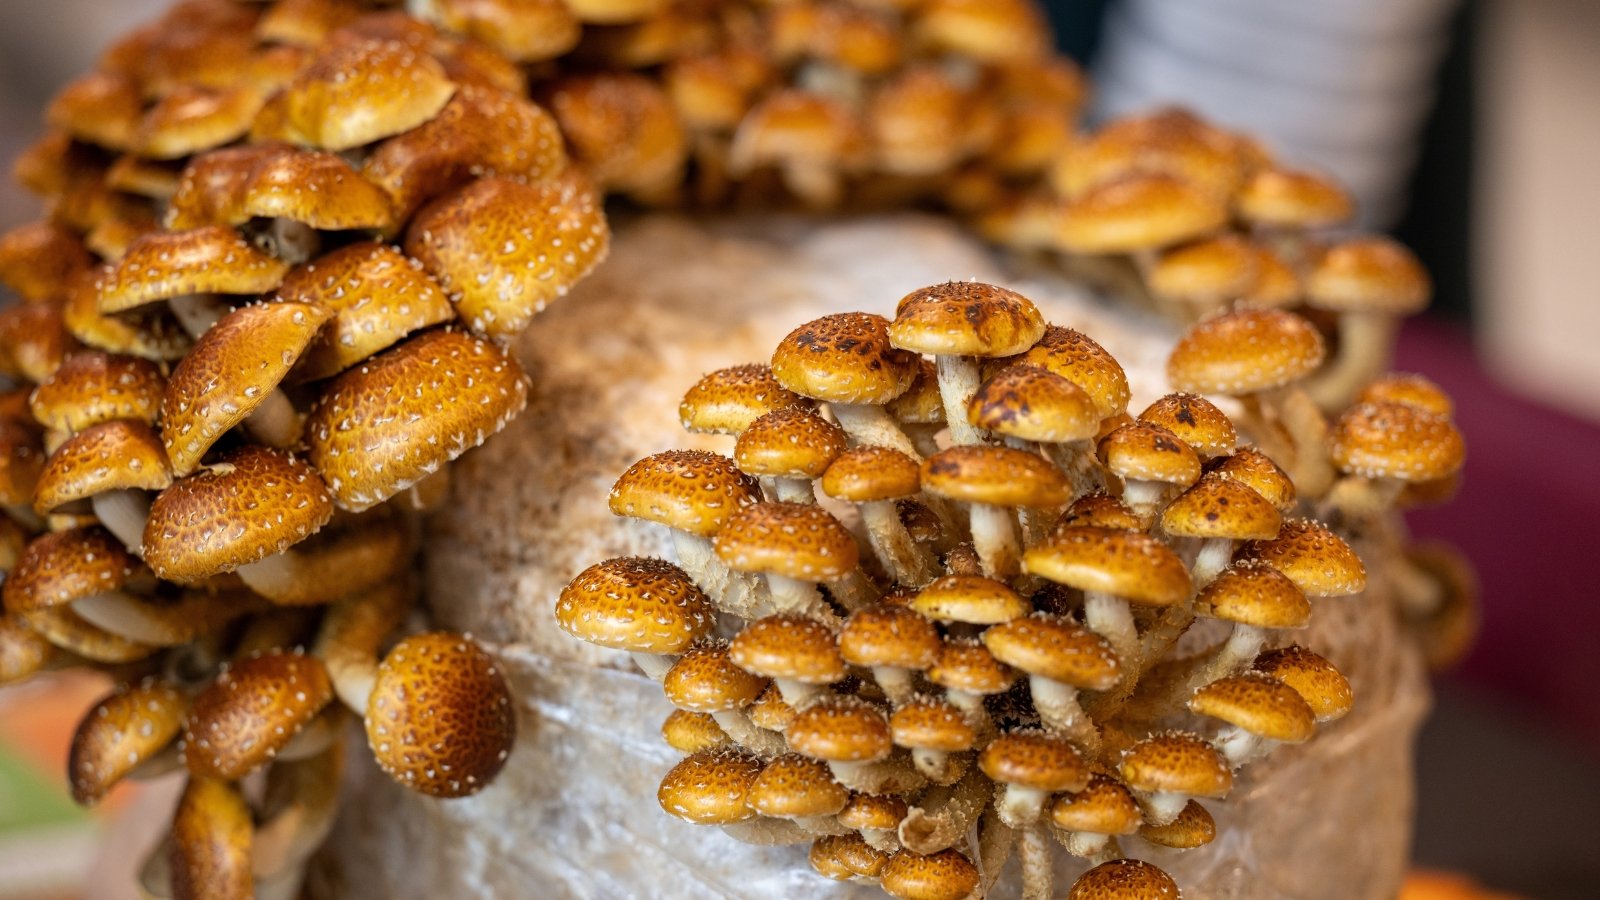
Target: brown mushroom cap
pixel 39 260
pixel 92 387
pixel 967 665
pixel 1244 351
pixel 1211 271
pixel 789 647
pixel 1103 807
pixel 789 443
pixel 212 835
pixel 710 787
pixel 1254 593
pixel 1257 471
pixel 794 540
pixel 889 636
pixel 1078 358
pixel 1316 679
pixel 241 720
pixel 1034 404
pixel 770 710
pixel 1259 704
pixel 320 190
pixel 635 604
pixel 872 473
pixel 690 490
pixel 213 259
pixel 869 811
pixel 840 729
pixel 691 732
pixel 386 424
pixel 1128 564
pixel 1138 211
pixel 1145 452
pixel 251 503
pixel 844 358
pixel 191 120
pixel 504 249
pixel 1170 141
pixel 211 188
pixel 150 333
pixel 1220 507
pixel 22 461
pixel 23 651
pixel 844 857
pixel 357 91
pixel 928 723
pixel 1176 762
pixel 728 400
pixel 1196 420
pixel 1369 274
pixel 1410 389
pixel 1056 648
pixel 621 128
pixel 62 566
pixel 1001 476
pixel 792 786
pixel 119 732
pixel 231 370
pixel 440 720
pixel 707 679
pixel 1036 760
pixel 921 404
pixel 973 599
pixel 1313 557
pixel 35 339
pixel 1193 828
pixel 1284 198
pixel 64 628
pixel 108 456
pixel 98 108
pixel 1396 440
pixel 1101 510
pixel 966 318
pixel 946 875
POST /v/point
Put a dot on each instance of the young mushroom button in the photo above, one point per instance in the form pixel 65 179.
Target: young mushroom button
pixel 995 480
pixel 946 875
pixel 1165 770
pixel 1124 879
pixel 790 448
pixel 1060 658
pixel 847 361
pixel 894 642
pixel 1260 710
pixel 727 401
pixel 795 545
pixel 1314 558
pixel 1193 828
pixel 647 607
pixel 1092 816
pixel 969 599
pixel 799 654
pixel 121 732
pixel 1371 283
pixel 1215 512
pixel 710 787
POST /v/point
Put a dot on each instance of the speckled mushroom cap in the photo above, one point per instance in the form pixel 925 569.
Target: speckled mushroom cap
pixel 64 628
pixel 794 540
pixel 123 729
pixel 789 443
pixel 1213 270
pixel 1257 471
pixel 149 333
pixel 1102 807
pixel 161 265
pixel 377 296
pixel 1193 828
pixel 965 664
pixel 1171 141
pixel 690 490
pixel 440 719
pixel 946 875
pixel 249 504
pixel 635 604
pixel 973 599
pixel 929 723
pixel 1258 703
pixel 21 462
pixel 1035 759
pixel 871 473
pixel 1251 592
pixel 1176 762
pixel 523 32
pixel 39 260
pixel 1313 557
pixel 787 646
pixel 1244 351
pixel 191 120
pixel 706 679
pixel 1286 198
pixel 1001 476
pixel 100 108
pixel 1034 404
pixel 1408 388
pixel 23 651
pixel 889 636
pixel 1314 678
pixel 1369 274
pixel 240 721
pixel 840 729
pixel 1396 440
pixel 504 249
pixel 1078 358
pixel 1220 507
pixel 691 732
pixel 1100 510
pixel 1056 648
pixel 921 404
pixel 710 787
pixel 231 370
pixel 95 387
pixel 35 338
pixel 844 857
pixel 211 188
pixel 792 786
pixel 1129 564
pixel 1138 211
pixel 1146 452
pixel 357 91
pixel 1196 421
pixel 728 400
pixel 620 127
pixel 212 834
pixel 382 426
pixel 109 456
pixel 880 811
pixel 844 358
pixel 62 566
pixel 966 318
pixel 319 190
pixel 794 126
pixel 769 710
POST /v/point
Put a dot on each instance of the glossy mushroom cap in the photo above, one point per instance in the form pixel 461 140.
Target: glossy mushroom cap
pixel 841 729
pixel 357 91
pixel 921 404
pixel 212 835
pixel 119 732
pixel 691 732
pixel 249 504
pixel 109 456
pixel 1176 762
pixel 1034 404
pixel 871 473
pixel 844 358
pixel 690 490
pixel 1258 472
pixel 1316 679
pixel 1036 760
pixel 1104 806
pixel 90 388
pixel 1138 211
pixel 1259 704
pixel 1099 510
pixel 928 723
pixel 621 128
pixel 1056 648
pixel 707 679
pixel 946 875
pixel 1220 507
pixel 1000 476
pixel 1193 828
pixel 1285 198
pixel 635 604
pixel 440 720
pixel 973 599
pixel 789 443
pixel 1254 593
pixel 1313 557
pixel 792 786
pixel 1078 358
pixel 1410 389
pixel 728 400
pixel 319 190
pixel 210 260
pixel 243 718
pixel 1146 452
pixel 794 540
pixel 1128 564
pixel 966 318
pixel 845 857
pixel 1396 440
pixel 1209 272
pixel 1244 351
pixel 1196 421
pixel 38 260
pixel 710 787
pixel 967 665
pixel 62 566
pixel 889 636
pixel 789 647
pixel 1369 274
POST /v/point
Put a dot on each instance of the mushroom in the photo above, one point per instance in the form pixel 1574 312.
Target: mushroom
pixel 1124 879
pixel 1260 711
pixel 358 90
pixel 1137 214
pixel 801 790
pixel 1258 472
pixel 812 140
pixel 706 679
pixel 1382 447
pixel 847 361
pixel 993 480
pixel 1217 512
pixel 847 857
pixel 210 844
pixel 92 387
pixel 1315 679
pixel 1194 420
pixel 1282 204
pixel 946 875
pixel 992 31
pixel 1166 770
pixel 298 809
pixel 894 642
pixel 525 32
pixel 1088 819
pixel 125 733
pixel 251 713
pixel 1318 561
pixel 1193 828
pixel 1256 598
pixel 113 466
pixel 969 600
pixel 23 651
pixel 789 448
pixel 691 732
pixel 710 787
pixel 1029 766
pixel 795 545
pixel 1060 658
pixel 648 607
pixel 969 672
pixel 727 401
pixel 877 477
pixel 188 270
pixel 1026 405
pixel 1151 462
pixel 852 736
pixel 797 652
pixel 933 729
pixel 21 463
pixel 622 130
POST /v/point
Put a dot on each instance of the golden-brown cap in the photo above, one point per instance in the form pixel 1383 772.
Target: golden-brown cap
pixel 303 23
pixel 844 358
pixel 317 189
pixel 240 721
pixel 992 31
pixel 1286 198
pixel 1146 452
pixel 212 834
pixel 1253 593
pixel 867 811
pixel 792 786
pixel 770 710
pixel 1056 648
pixel 357 91
pixel 921 404
pixel 1176 762
pixel 122 730
pixel 929 723
pixel 377 296
pixel 440 720
pixel 1314 678
pixel 691 732
pixel 1244 351
pixel 871 473
pixel 39 260
pixel 1196 420
pixel 1193 828
pixel 946 875
pixel 90 388
pixel 966 318
pixel 889 636
pixel 1138 211
pixel 794 540
pixel 1129 564
pixel 918 119
pixel 23 651
pixel 1408 388
pixel 387 423
pixel 149 333
pixel 1221 507
pixel 706 679
pixel 1078 358
pixel 22 461
pixel 1208 272
pixel 98 108
pixel 1036 760
pixel 1103 807
pixel 64 628
pixel 528 31
pixel 249 504
pixel 727 401
pixel 207 260
pixel 1171 141
pixel 33 341
pixel 635 604
pixel 710 787
pixel 62 566
pixel 1396 440
pixel 973 599
pixel 967 665
pixel 1313 557
pixel 711 91
pixel 1278 284
pixel 110 456
pixel 1259 704
pixel 790 443
pixel 191 120
pixel 840 729
pixel 690 490
pixel 1101 510
pixel 1034 404
pixel 1000 476
pixel 211 187
pixel 621 128
pixel 504 249
pixel 845 857
pixel 1258 472
pixel 1369 274
pixel 790 647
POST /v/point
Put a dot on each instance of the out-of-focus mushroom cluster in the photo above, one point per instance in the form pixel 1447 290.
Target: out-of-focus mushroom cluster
pixel 925 616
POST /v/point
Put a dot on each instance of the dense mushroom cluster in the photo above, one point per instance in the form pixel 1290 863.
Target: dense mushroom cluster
pixel 927 614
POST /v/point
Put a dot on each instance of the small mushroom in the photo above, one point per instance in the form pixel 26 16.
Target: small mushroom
pixel 993 481
pixel 847 361
pixel 1260 711
pixel 1060 658
pixel 647 607
pixel 1166 770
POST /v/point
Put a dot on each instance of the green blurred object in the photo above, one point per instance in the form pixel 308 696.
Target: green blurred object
pixel 29 799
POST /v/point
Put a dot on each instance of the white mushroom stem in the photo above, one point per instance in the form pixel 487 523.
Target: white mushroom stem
pixel 794 490
pixel 198 312
pixel 738 727
pixel 872 426
pixel 1057 703
pixel 767 832
pixel 945 814
pixel 654 665
pixel 123 513
pixel 894 775
pixel 1237 652
pixel 735 593
pixel 1144 497
pixel 938 765
pixel 791 595
pixel 1038 869
pixel 994 536
pixel 1110 617
pixel 798 694
pixel 1161 807
pixel 959 379
pixel 1085 844
pixel 1020 806
pixel 1366 341
pixel 275 422
pixel 1241 747
pixel 348 641
pixel 908 563
pixel 1307 427
pixel 1214 556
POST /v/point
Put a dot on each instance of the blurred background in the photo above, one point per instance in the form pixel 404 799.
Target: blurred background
pixel 1468 128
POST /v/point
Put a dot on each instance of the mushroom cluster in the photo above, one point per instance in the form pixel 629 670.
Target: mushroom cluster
pixel 930 612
